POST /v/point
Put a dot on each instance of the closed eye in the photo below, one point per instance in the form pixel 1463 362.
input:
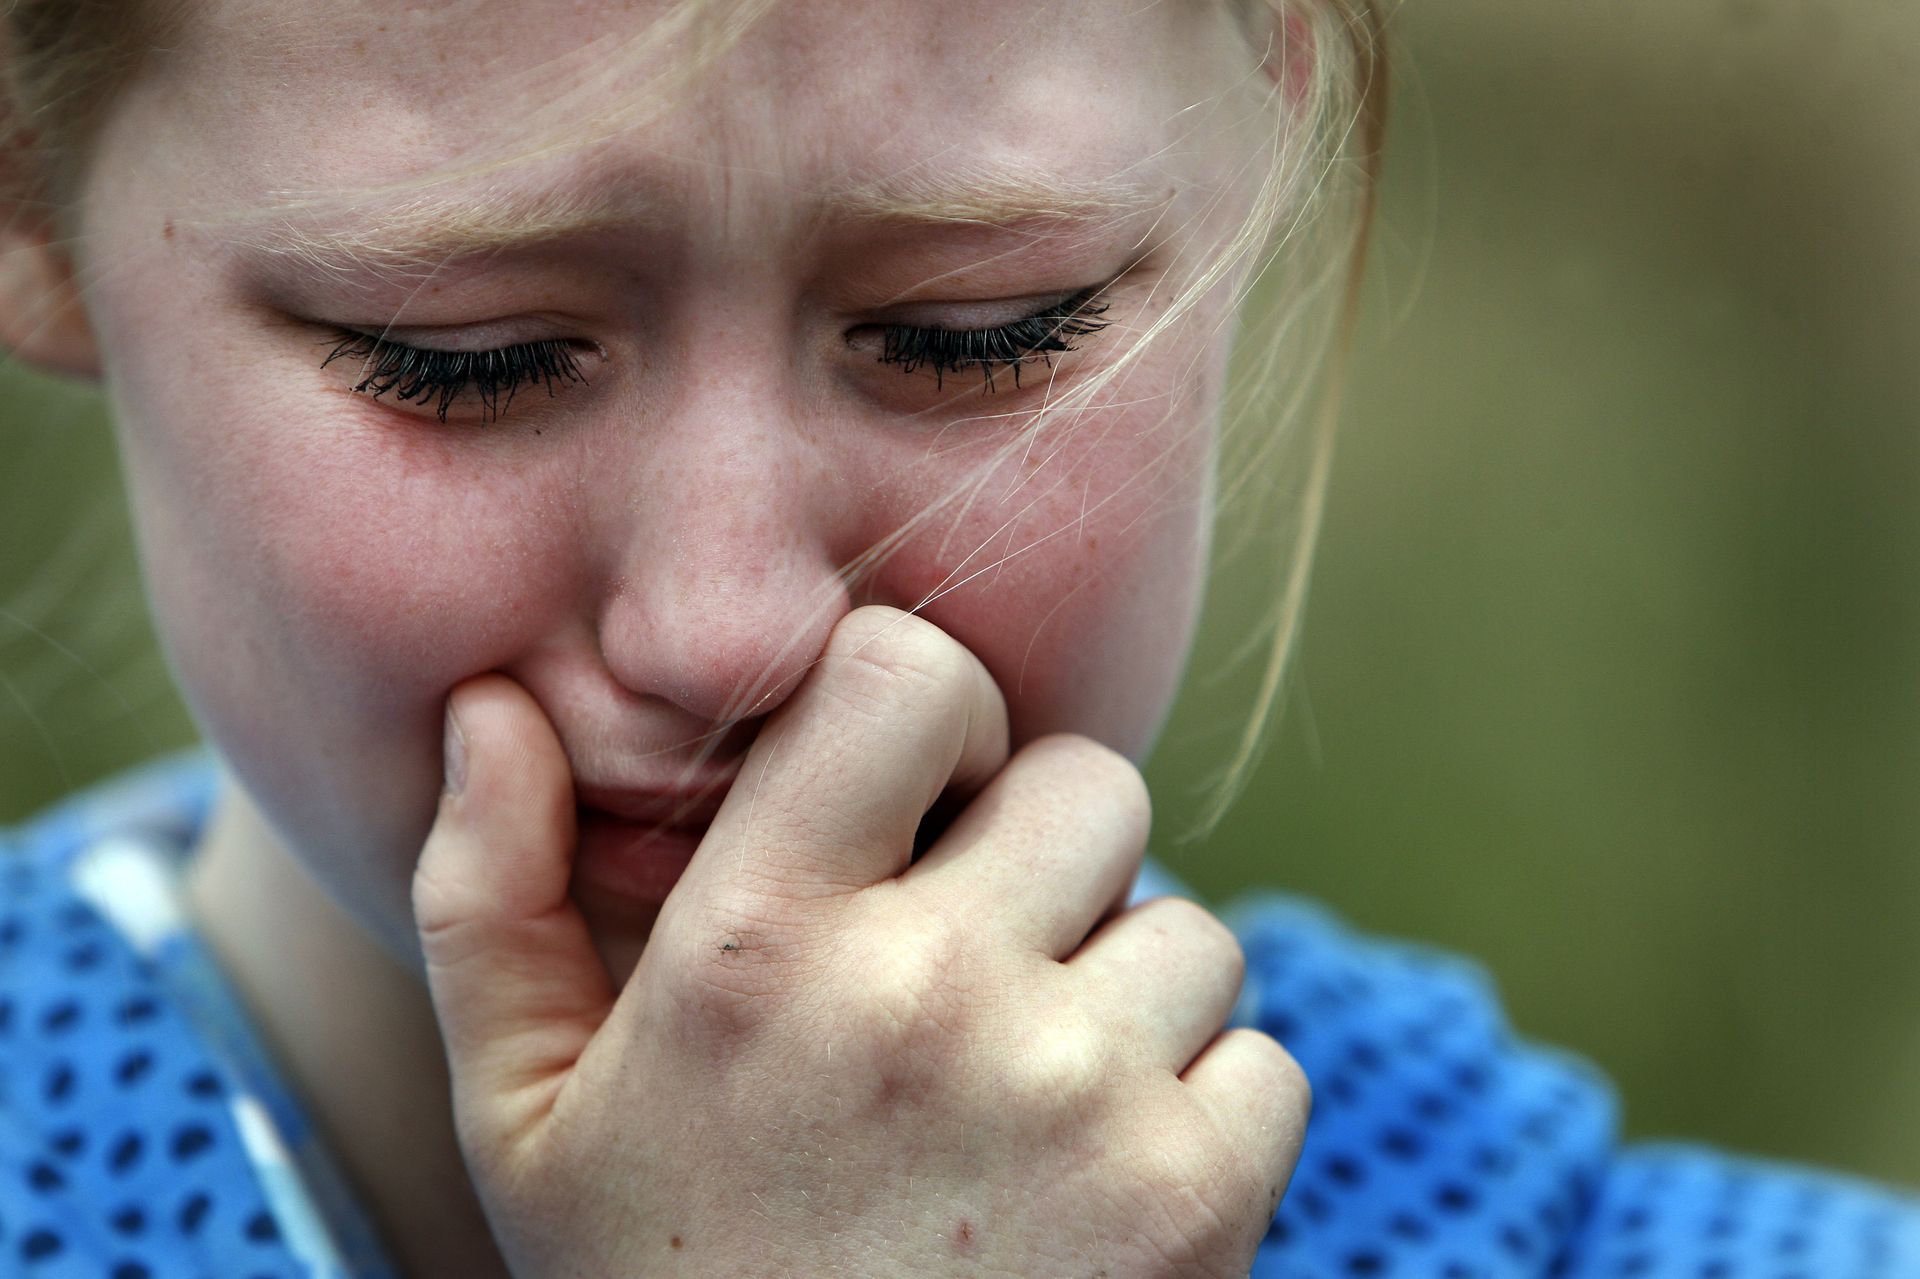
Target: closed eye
pixel 416 374
pixel 1035 337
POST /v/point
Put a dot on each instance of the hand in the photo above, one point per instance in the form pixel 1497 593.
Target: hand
pixel 832 1059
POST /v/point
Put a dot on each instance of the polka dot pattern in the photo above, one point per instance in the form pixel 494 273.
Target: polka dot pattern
pixel 1441 1147
pixel 119 1158
pixel 1686 1213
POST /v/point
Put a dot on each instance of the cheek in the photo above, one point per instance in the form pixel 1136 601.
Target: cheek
pixel 361 557
pixel 1075 572
pixel 319 583
pixel 305 547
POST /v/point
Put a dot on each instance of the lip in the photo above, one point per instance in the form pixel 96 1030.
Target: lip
pixel 636 841
pixel 690 807
pixel 637 861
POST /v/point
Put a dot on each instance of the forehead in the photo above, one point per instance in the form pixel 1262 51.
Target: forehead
pixel 716 107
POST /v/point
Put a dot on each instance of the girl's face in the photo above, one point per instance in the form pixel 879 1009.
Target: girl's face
pixel 741 281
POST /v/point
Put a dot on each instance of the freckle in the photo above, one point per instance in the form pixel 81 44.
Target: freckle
pixel 674 1242
pixel 1093 543
pixel 166 229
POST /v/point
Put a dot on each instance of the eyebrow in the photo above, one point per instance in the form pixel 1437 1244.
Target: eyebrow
pixel 431 228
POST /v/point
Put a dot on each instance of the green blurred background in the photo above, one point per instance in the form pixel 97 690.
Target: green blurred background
pixel 1609 676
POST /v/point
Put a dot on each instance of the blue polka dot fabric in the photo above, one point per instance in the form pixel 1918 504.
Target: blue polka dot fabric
pixel 138 1139
pixel 1438 1146
pixel 144 1134
pixel 1441 1146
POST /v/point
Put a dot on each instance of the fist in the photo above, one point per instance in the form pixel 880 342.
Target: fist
pixel 834 1057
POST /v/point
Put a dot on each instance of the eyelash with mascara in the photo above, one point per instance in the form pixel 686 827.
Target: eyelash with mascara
pixel 1041 335
pixel 415 373
pixel 418 374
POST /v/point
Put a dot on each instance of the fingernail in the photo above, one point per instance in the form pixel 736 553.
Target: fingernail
pixel 455 751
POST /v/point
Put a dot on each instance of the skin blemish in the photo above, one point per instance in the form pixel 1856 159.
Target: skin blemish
pixel 674 1243
pixel 166 229
pixel 963 1238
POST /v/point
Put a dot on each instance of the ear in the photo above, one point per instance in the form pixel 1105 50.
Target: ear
pixel 1283 33
pixel 43 321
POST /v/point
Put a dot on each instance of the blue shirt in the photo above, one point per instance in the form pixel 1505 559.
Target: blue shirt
pixel 145 1133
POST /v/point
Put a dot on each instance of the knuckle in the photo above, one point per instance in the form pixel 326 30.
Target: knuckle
pixel 914 973
pixel 917 1020
pixel 869 622
pixel 1059 1075
pixel 1287 1083
pixel 443 909
pixel 922 1002
pixel 434 902
pixel 1197 926
pixel 884 656
pixel 1106 772
pixel 764 883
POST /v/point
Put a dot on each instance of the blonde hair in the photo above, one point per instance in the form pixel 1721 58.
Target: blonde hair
pixel 1304 239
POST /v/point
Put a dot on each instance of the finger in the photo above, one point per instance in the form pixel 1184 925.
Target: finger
pixel 829 796
pixel 1259 1099
pixel 1171 969
pixel 1048 849
pixel 516 982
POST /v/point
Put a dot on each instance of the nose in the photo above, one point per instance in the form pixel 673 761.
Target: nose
pixel 726 585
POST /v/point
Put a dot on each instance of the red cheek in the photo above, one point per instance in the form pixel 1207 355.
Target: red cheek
pixel 396 563
pixel 1073 580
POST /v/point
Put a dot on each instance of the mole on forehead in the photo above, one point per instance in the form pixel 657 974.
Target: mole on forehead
pixel 435 225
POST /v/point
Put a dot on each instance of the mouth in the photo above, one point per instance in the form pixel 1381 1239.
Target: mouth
pixel 634 847
pixel 689 807
pixel 635 861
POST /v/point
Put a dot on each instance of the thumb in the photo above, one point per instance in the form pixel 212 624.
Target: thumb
pixel 516 982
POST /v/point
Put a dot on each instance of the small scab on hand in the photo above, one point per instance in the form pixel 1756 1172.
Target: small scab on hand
pixel 747 945
pixel 674 1243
